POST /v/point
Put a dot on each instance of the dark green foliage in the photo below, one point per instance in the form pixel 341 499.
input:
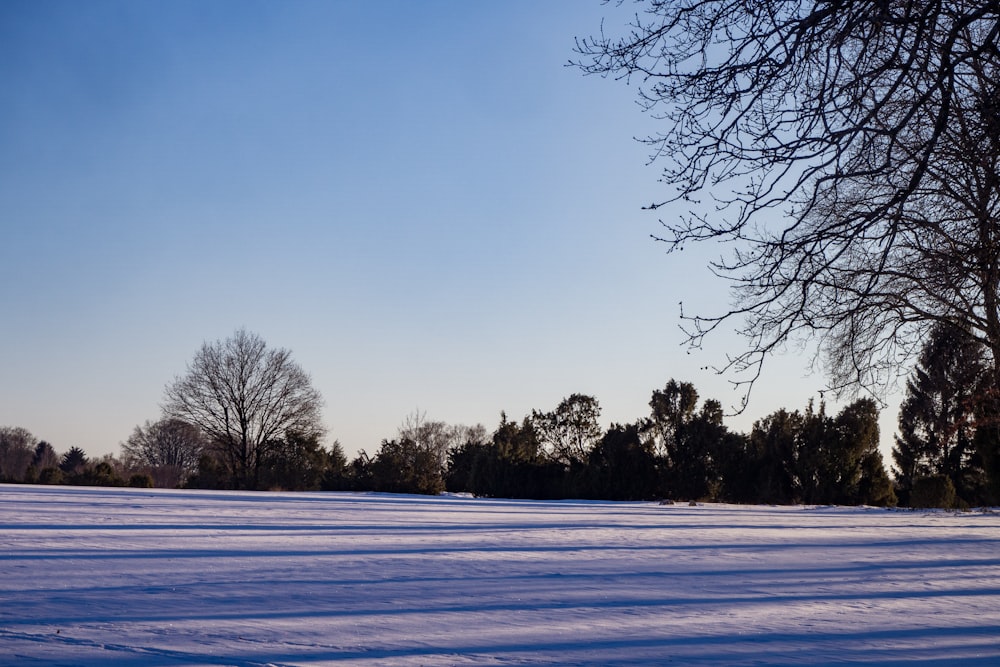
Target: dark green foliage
pixel 73 461
pixel 875 486
pixel 937 419
pixel 818 459
pixel 623 467
pixel 694 473
pixel 296 463
pixel 100 474
pixel 680 451
pixel 336 477
pixel 736 465
pixel 690 444
pixel 987 442
pixel 511 465
pixel 773 445
pixel 856 470
pixel 831 455
pixel 569 431
pixel 140 481
pixel 933 491
pixel 466 467
pixel 45 456
pixel 684 452
pixel 50 475
pixel 211 474
pixel 402 466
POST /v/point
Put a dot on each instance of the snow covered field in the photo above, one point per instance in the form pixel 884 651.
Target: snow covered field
pixel 135 577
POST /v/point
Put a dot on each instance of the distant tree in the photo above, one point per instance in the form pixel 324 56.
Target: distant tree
pixel 140 481
pixel 336 475
pixel 211 474
pixel 519 443
pixel 509 465
pixel 818 468
pixel 169 449
pixel 773 441
pixel 470 466
pixel 571 430
pixel 736 464
pixel 694 470
pixel 403 466
pixel 438 437
pixel 858 473
pixel 471 463
pixel 359 473
pixel 17 448
pixel 876 487
pixel 937 419
pixel 245 398
pixel 50 475
pixel 73 462
pixel 45 456
pixel 687 440
pixel 101 473
pixel 622 466
pixel 815 458
pixel 672 408
pixel 296 463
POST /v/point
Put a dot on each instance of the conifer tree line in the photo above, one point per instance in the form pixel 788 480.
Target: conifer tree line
pixel 266 435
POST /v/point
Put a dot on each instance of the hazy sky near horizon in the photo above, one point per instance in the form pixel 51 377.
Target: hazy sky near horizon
pixel 419 199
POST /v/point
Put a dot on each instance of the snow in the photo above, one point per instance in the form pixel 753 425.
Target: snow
pixel 128 577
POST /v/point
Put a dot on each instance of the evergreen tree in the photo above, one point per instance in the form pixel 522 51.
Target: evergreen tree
pixel 74 461
pixel 686 440
pixel 336 477
pixel 403 466
pixel 859 474
pixel 45 456
pixel 937 419
pixel 622 467
pixel 774 445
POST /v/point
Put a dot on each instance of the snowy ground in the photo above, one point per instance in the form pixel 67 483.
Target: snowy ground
pixel 94 577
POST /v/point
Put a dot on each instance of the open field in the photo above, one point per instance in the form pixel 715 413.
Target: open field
pixel 139 577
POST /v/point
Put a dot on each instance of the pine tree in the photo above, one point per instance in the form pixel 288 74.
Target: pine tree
pixel 937 417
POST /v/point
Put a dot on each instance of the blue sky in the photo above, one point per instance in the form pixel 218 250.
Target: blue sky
pixel 419 199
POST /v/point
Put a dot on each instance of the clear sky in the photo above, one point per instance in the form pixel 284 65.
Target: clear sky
pixel 418 199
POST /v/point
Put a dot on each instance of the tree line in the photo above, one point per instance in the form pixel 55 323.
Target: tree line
pixel 244 416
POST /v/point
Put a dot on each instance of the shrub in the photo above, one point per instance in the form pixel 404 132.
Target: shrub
pixel 141 480
pixel 933 491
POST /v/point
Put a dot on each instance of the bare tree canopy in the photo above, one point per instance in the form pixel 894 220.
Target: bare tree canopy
pixel 848 150
pixel 169 447
pixel 246 399
pixel 17 447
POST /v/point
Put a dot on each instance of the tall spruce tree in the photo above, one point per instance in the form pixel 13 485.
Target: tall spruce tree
pixel 937 418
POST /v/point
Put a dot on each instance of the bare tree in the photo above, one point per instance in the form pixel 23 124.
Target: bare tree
pixel 848 150
pixel 17 447
pixel 438 437
pixel 168 449
pixel 245 398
